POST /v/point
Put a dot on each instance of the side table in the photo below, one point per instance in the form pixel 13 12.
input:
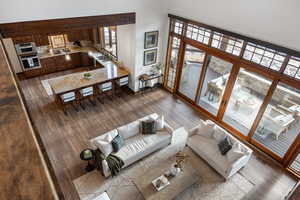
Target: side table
pixel 88 155
pixel 144 80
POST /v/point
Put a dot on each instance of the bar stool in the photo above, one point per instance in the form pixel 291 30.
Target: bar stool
pixel 87 93
pixel 104 88
pixel 66 99
pixel 122 82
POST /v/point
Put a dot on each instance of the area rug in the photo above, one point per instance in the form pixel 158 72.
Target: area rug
pixel 47 87
pixel 211 186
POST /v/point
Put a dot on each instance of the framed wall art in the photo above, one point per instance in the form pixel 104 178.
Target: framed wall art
pixel 151 39
pixel 150 57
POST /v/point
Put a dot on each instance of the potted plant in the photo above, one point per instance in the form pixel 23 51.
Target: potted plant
pixel 87 75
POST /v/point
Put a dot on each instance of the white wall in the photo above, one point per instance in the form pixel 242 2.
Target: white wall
pixel 276 21
pixel 126 49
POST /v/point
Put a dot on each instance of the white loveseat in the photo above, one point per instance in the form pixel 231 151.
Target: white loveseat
pixel 136 144
pixel 204 140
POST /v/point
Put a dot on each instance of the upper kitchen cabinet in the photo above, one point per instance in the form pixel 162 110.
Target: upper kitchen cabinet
pixel 78 35
pixel 23 39
pixel 41 40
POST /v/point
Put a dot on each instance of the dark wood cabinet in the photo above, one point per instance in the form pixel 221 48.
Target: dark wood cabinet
pixel 41 40
pixel 60 63
pixel 32 73
pixel 23 39
pixel 77 35
pixel 86 61
pixel 48 65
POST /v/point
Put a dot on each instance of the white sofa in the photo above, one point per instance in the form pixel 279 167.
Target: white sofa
pixel 136 145
pixel 204 140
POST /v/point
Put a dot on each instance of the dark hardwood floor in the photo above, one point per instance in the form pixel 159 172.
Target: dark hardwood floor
pixel 64 136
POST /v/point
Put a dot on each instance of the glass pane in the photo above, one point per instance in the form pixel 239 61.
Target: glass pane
pixel 191 70
pixel 280 125
pixel 173 63
pixel 214 84
pixel 246 99
pixel 296 164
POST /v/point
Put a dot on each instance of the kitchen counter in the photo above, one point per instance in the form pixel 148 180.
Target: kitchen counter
pixel 73 49
pixel 93 52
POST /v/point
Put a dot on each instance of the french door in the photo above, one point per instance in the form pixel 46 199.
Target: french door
pixel 191 70
pixel 250 103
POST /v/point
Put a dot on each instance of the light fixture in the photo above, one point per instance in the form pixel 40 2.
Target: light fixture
pixel 90 53
pixel 68 57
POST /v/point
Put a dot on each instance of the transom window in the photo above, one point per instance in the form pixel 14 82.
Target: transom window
pixel 198 33
pixel 177 26
pixel 266 57
pixel 228 44
pixel 293 67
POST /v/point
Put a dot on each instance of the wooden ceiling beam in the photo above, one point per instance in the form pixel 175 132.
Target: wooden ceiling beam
pixel 51 26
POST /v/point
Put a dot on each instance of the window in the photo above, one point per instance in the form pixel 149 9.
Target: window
pixel 198 33
pixel 173 62
pixel 293 68
pixel 263 56
pixel 177 26
pixel 228 44
pixel 110 40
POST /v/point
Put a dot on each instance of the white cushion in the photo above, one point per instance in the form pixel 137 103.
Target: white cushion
pixel 140 145
pixel 104 142
pixel 152 116
pixel 219 134
pixel 68 96
pixel 86 90
pixel 160 122
pixel 235 153
pixel 106 86
pixel 205 129
pixel 129 130
pixel 208 149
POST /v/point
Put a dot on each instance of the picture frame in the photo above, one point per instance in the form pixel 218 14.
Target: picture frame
pixel 151 39
pixel 150 57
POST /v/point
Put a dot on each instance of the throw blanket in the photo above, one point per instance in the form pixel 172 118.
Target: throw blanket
pixel 115 164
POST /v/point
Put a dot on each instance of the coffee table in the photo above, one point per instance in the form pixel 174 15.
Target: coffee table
pixel 178 184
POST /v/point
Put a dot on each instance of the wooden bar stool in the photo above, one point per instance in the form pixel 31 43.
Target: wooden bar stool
pixel 87 93
pixel 104 88
pixel 68 99
pixel 122 82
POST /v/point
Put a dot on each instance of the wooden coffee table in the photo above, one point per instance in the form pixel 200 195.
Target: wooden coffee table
pixel 178 184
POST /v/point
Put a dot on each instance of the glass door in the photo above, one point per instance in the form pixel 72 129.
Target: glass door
pixel 280 123
pixel 172 63
pixel 295 165
pixel 214 84
pixel 191 71
pixel 245 100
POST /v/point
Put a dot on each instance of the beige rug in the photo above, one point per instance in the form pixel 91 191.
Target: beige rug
pixel 211 185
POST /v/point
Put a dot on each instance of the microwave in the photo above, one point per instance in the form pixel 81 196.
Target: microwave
pixel 26 48
pixel 29 62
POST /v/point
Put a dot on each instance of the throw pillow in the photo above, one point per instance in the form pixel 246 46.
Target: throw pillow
pixel 205 129
pixel 117 143
pixel 148 127
pixel 235 153
pixel 129 130
pixel 160 123
pixel 225 145
pixel 219 134
pixel 104 142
